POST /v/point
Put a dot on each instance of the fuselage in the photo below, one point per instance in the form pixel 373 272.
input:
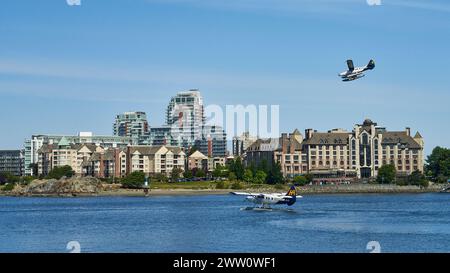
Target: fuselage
pixel 353 73
pixel 269 199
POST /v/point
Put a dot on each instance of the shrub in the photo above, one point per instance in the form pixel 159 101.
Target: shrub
pixel 222 185
pixel 418 179
pixel 200 173
pixel 9 187
pixel 134 180
pixel 441 179
pixel 300 180
pixel 59 172
pixel 260 177
pixel 248 176
pixel 161 177
pixel 188 174
pixel 237 186
pixel 231 176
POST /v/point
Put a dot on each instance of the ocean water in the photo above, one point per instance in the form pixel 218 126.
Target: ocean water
pixel 316 223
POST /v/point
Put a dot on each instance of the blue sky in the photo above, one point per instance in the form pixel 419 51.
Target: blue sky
pixel 65 69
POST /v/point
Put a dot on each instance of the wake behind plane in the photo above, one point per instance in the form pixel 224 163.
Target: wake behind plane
pixel 355 73
pixel 265 200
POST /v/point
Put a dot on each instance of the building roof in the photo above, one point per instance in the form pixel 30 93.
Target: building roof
pixel 198 155
pixel 394 138
pixel 154 149
pixel 63 142
pixel 328 139
pixel 418 135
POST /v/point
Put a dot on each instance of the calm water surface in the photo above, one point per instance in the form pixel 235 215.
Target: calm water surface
pixel 318 223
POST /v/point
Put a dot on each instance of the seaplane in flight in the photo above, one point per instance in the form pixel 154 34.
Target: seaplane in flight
pixel 265 200
pixel 355 73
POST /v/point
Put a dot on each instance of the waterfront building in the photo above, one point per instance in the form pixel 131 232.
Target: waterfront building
pixel 131 124
pixel 340 156
pixel 155 159
pixel 286 150
pixel 12 161
pixel 241 143
pixel 363 151
pixel 84 159
pixel 32 145
pixel 109 163
pixel 198 160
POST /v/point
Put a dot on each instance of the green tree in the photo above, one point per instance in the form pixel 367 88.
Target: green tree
pixel 3 178
pixel 253 168
pixel 175 174
pixel 275 175
pixel 160 177
pixel 438 163
pixel 59 172
pixel 200 173
pixel 219 171
pixel 7 177
pixel 418 179
pixel 231 176
pixel 260 177
pixel 300 180
pixel 386 174
pixel 237 168
pixel 309 177
pixel 264 166
pixel 188 174
pixel 248 176
pixel 134 180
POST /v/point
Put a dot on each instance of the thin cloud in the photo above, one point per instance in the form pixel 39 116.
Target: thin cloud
pixel 284 6
pixel 306 6
pixel 437 6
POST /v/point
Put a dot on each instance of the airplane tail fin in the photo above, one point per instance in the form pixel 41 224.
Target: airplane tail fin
pixel 371 65
pixel 292 192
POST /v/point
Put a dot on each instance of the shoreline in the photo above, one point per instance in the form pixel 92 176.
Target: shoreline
pixel 307 190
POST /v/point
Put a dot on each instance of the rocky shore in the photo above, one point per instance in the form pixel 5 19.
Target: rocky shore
pixel 88 186
pixel 59 187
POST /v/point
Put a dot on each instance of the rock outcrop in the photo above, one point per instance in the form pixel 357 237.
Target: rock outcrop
pixel 63 186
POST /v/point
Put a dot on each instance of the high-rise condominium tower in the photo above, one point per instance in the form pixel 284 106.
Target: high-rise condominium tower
pixel 185 115
pixel 131 124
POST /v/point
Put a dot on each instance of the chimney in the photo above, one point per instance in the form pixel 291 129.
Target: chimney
pixel 117 163
pixel 308 133
pixel 408 131
pixel 210 147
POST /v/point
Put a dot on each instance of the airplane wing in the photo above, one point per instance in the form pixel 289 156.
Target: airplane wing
pixel 290 197
pixel 350 65
pixel 245 193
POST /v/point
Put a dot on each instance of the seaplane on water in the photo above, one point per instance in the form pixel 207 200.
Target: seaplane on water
pixel 265 200
pixel 354 73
